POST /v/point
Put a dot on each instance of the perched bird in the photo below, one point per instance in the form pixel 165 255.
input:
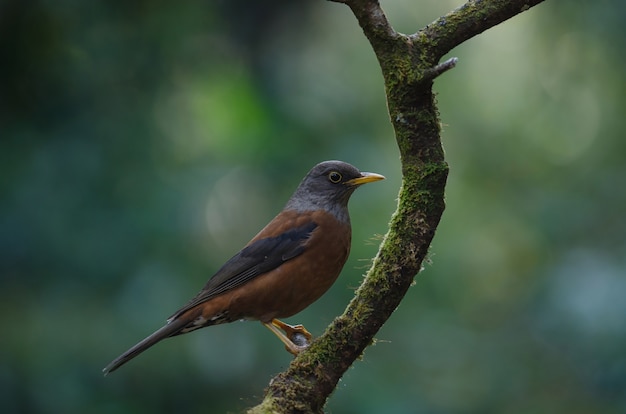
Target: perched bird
pixel 287 266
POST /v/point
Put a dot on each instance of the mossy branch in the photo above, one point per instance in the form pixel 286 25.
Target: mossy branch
pixel 409 64
pixel 469 20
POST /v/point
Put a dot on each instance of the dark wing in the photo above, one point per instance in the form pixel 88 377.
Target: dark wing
pixel 255 259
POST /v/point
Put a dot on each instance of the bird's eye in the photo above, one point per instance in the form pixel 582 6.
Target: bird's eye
pixel 334 177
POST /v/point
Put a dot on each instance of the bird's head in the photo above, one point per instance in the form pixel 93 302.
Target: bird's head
pixel 328 186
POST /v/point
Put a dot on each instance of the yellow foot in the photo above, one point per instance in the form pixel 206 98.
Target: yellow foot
pixel 296 338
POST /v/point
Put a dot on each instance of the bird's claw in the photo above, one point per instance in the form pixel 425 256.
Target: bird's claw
pixel 298 335
pixel 295 337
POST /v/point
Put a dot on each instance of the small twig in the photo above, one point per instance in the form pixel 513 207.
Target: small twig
pixel 432 73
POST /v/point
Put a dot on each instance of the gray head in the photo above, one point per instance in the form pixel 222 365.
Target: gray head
pixel 328 186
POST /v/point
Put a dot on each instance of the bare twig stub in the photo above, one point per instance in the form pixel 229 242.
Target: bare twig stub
pixel 409 64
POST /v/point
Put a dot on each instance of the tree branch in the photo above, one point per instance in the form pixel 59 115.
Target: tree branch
pixel 471 19
pixel 409 65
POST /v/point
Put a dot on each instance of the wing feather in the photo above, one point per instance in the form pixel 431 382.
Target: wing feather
pixel 257 258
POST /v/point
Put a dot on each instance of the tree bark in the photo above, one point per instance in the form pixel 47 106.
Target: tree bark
pixel 409 64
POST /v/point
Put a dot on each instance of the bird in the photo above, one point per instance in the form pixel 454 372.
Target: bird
pixel 286 267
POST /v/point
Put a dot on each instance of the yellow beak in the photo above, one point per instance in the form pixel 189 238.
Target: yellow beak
pixel 366 177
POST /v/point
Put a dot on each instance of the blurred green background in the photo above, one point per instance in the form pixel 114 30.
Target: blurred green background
pixel 143 143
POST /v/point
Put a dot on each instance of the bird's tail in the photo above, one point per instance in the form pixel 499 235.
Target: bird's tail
pixel 172 328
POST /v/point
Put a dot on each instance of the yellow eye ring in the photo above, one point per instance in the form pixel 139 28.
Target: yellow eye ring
pixel 334 177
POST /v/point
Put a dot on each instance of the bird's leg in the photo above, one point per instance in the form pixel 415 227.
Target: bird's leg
pixel 296 333
pixel 296 338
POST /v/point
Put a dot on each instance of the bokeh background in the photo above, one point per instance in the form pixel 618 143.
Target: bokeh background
pixel 143 143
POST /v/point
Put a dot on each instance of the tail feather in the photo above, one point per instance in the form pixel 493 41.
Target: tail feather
pixel 172 328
